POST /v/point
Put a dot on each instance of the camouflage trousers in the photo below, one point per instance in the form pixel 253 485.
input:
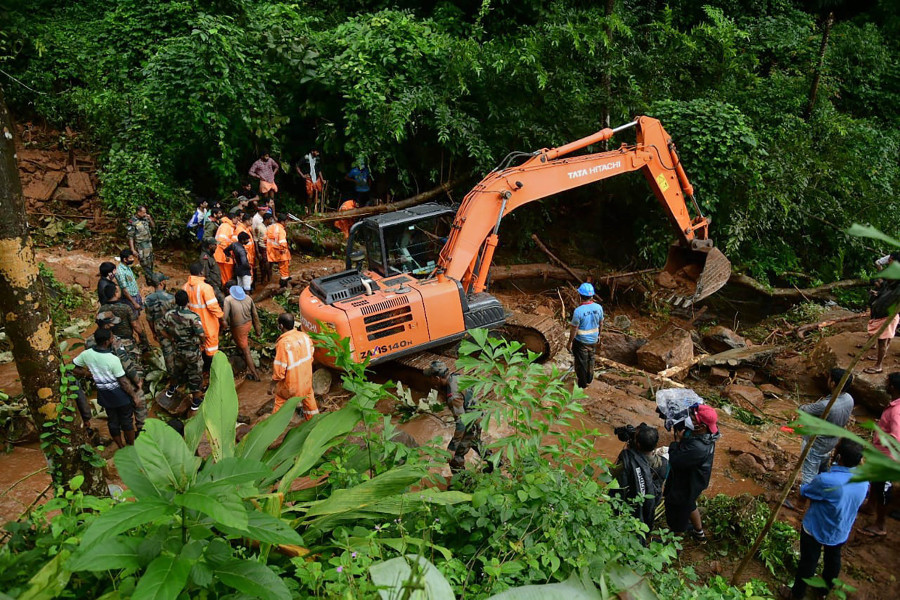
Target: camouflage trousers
pixel 168 352
pixel 465 439
pixel 145 256
pixel 187 368
pixel 134 371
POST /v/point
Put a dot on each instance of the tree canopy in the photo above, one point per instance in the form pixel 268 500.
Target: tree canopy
pixel 182 94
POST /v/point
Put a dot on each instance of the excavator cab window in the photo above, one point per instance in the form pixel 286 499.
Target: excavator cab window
pixel 414 247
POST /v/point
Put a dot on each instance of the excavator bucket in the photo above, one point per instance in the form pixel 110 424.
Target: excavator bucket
pixel 692 275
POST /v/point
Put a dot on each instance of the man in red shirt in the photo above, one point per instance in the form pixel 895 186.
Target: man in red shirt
pixel 890 424
pixel 265 169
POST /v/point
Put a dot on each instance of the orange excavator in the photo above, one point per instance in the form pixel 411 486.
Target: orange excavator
pixel 429 266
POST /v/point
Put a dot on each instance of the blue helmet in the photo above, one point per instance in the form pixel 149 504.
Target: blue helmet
pixel 586 290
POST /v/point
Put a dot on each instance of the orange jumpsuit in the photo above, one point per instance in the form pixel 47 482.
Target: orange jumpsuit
pixel 344 225
pixel 293 369
pixel 225 236
pixel 277 250
pixel 249 246
pixel 202 300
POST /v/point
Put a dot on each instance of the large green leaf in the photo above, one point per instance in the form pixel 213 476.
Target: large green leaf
pixel 216 500
pixel 255 443
pixel 253 579
pixel 395 577
pixel 164 579
pixel 132 472
pixel 348 504
pixel 220 408
pixel 193 433
pixel 873 233
pixel 234 471
pixel 165 457
pixel 571 589
pixel 51 580
pixel 267 529
pixel 282 458
pixel 123 517
pixel 111 554
pixel 876 466
pixel 323 435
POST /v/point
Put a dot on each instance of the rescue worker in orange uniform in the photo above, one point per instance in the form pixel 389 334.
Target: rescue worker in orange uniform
pixel 344 225
pixel 293 368
pixel 277 248
pixel 245 225
pixel 225 236
pixel 202 300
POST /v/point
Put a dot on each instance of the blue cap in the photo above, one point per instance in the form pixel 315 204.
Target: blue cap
pixel 586 290
pixel 237 292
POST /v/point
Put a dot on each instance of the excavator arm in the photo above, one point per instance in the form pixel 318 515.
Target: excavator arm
pixel 469 250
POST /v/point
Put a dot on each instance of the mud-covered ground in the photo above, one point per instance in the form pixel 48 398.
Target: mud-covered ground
pixel 753 459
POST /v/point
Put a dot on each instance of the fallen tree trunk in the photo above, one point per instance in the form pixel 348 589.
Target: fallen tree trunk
pixel 304 240
pixel 367 211
pixel 822 292
pixel 553 258
pixel 534 271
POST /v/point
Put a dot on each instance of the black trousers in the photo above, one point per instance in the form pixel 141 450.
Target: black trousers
pixel 584 363
pixel 809 560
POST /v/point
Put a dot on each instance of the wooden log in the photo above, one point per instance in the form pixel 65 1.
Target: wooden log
pixel 303 240
pixel 822 292
pixel 553 258
pixel 534 271
pixel 802 330
pixel 367 211
pixel 682 369
pixel 653 377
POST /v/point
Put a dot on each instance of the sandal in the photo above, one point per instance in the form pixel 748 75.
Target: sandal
pixel 872 532
pixel 872 370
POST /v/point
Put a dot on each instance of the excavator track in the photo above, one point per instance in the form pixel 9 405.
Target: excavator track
pixel 540 333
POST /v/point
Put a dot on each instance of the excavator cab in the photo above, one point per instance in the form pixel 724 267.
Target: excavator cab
pixel 692 274
pixel 402 242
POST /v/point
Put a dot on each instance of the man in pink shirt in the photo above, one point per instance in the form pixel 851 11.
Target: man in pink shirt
pixel 890 424
pixel 265 169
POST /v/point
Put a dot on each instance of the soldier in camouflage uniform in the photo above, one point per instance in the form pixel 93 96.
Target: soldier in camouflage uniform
pixel 184 330
pixel 133 369
pixel 124 329
pixel 139 239
pixel 156 305
pixel 211 225
pixel 465 437
pixel 211 271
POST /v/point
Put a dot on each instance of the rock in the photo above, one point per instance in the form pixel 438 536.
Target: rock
pixel 402 437
pixel 838 351
pixel 772 390
pixel 540 309
pixel 755 355
pixel 745 373
pixel 670 349
pixel 718 375
pixel 747 464
pixel 744 394
pixel 667 281
pixel 621 322
pixel 721 339
pixel 620 347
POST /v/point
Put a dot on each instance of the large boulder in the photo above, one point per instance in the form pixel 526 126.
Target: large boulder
pixel 720 339
pixel 620 347
pixel 838 351
pixel 744 394
pixel 674 347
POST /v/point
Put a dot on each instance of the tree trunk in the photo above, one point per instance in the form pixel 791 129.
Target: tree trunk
pixel 385 208
pixel 26 315
pixel 606 78
pixel 817 76
pixel 822 292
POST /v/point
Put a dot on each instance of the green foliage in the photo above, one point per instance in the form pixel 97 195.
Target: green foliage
pixel 181 95
pixel 63 300
pixel 735 523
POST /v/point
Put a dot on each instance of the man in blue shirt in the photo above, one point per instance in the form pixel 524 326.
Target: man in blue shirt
pixel 362 181
pixel 831 514
pixel 587 323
